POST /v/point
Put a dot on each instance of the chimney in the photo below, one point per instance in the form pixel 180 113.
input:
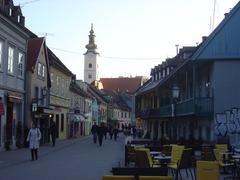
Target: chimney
pixel 22 20
pixel 225 15
pixel 204 38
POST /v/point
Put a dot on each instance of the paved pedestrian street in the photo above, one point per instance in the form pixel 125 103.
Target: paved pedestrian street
pixel 77 159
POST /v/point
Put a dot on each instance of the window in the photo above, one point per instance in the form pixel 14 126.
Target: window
pixel 1 52
pixel 10 59
pixel 62 122
pixel 43 71
pixel 18 18
pixel 10 11
pixel 163 73
pixel 52 81
pixel 89 76
pixel 63 87
pixel 39 72
pixel 57 85
pixel 168 70
pixel 20 64
pixel 90 65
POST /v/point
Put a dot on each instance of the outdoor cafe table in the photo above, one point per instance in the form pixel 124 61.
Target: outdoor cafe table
pixel 155 153
pixel 163 159
pixel 236 156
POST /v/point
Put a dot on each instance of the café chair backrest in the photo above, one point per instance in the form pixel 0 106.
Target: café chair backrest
pixel 176 153
pixel 221 147
pixel 115 177
pixel 143 158
pixel 208 170
pixel 155 178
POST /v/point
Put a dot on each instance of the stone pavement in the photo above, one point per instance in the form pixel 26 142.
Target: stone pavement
pixel 19 156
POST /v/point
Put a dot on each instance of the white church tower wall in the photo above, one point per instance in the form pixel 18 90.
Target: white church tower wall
pixel 91 59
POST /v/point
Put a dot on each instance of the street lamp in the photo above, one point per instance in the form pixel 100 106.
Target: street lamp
pixel 175 91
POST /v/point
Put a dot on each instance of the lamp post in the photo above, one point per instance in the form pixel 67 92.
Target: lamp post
pixel 175 95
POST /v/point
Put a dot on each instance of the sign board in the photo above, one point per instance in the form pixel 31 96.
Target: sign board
pixel 34 107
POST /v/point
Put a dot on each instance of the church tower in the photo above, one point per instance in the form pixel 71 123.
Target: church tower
pixel 90 59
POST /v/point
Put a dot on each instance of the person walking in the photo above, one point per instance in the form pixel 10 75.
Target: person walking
pixel 94 132
pixel 34 136
pixel 115 133
pixel 53 132
pixel 100 133
pixel 110 131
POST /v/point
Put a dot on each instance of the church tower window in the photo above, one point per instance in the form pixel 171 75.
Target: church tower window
pixel 90 65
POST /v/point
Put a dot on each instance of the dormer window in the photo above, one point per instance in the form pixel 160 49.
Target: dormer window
pixel 163 73
pixel 168 71
pixel 18 18
pixel 10 11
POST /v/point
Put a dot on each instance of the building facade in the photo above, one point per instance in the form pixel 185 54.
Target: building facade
pixel 38 85
pixel 77 110
pixel 61 77
pixel 195 94
pixel 13 57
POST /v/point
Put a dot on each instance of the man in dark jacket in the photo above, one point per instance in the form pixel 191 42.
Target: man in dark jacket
pixel 100 133
pixel 94 132
pixel 53 132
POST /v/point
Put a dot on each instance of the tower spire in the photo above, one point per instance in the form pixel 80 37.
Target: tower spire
pixel 91 46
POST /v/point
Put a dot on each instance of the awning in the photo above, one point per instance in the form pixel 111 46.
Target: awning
pixel 78 118
pixel 14 97
pixel 1 107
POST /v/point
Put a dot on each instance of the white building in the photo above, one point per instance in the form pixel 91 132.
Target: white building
pixel 90 59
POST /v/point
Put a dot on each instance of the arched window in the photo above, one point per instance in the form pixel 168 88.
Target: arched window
pixel 90 65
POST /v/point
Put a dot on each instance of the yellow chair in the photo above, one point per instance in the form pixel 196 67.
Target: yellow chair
pixel 185 162
pixel 222 147
pixel 144 159
pixel 155 178
pixel 208 170
pixel 176 154
pixel 115 177
pixel 219 158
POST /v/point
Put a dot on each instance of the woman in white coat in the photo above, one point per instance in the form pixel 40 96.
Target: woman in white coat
pixel 34 136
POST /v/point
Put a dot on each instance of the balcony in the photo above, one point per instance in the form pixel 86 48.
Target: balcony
pixel 148 113
pixel 197 107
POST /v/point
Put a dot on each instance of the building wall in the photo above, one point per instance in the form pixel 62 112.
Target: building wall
pixel 11 35
pixel 60 100
pixel 90 58
pixel 227 99
pixel 88 114
pixel 33 81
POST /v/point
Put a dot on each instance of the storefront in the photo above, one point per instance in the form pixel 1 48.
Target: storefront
pixel 42 116
pixel 77 125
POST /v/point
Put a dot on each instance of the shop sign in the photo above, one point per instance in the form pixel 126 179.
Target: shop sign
pixel 34 107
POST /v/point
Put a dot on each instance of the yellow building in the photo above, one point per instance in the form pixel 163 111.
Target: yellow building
pixel 59 94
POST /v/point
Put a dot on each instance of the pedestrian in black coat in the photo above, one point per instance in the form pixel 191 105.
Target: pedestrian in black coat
pixel 100 132
pixel 94 133
pixel 53 132
pixel 115 133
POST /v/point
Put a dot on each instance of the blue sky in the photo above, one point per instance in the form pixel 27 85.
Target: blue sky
pixel 124 28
